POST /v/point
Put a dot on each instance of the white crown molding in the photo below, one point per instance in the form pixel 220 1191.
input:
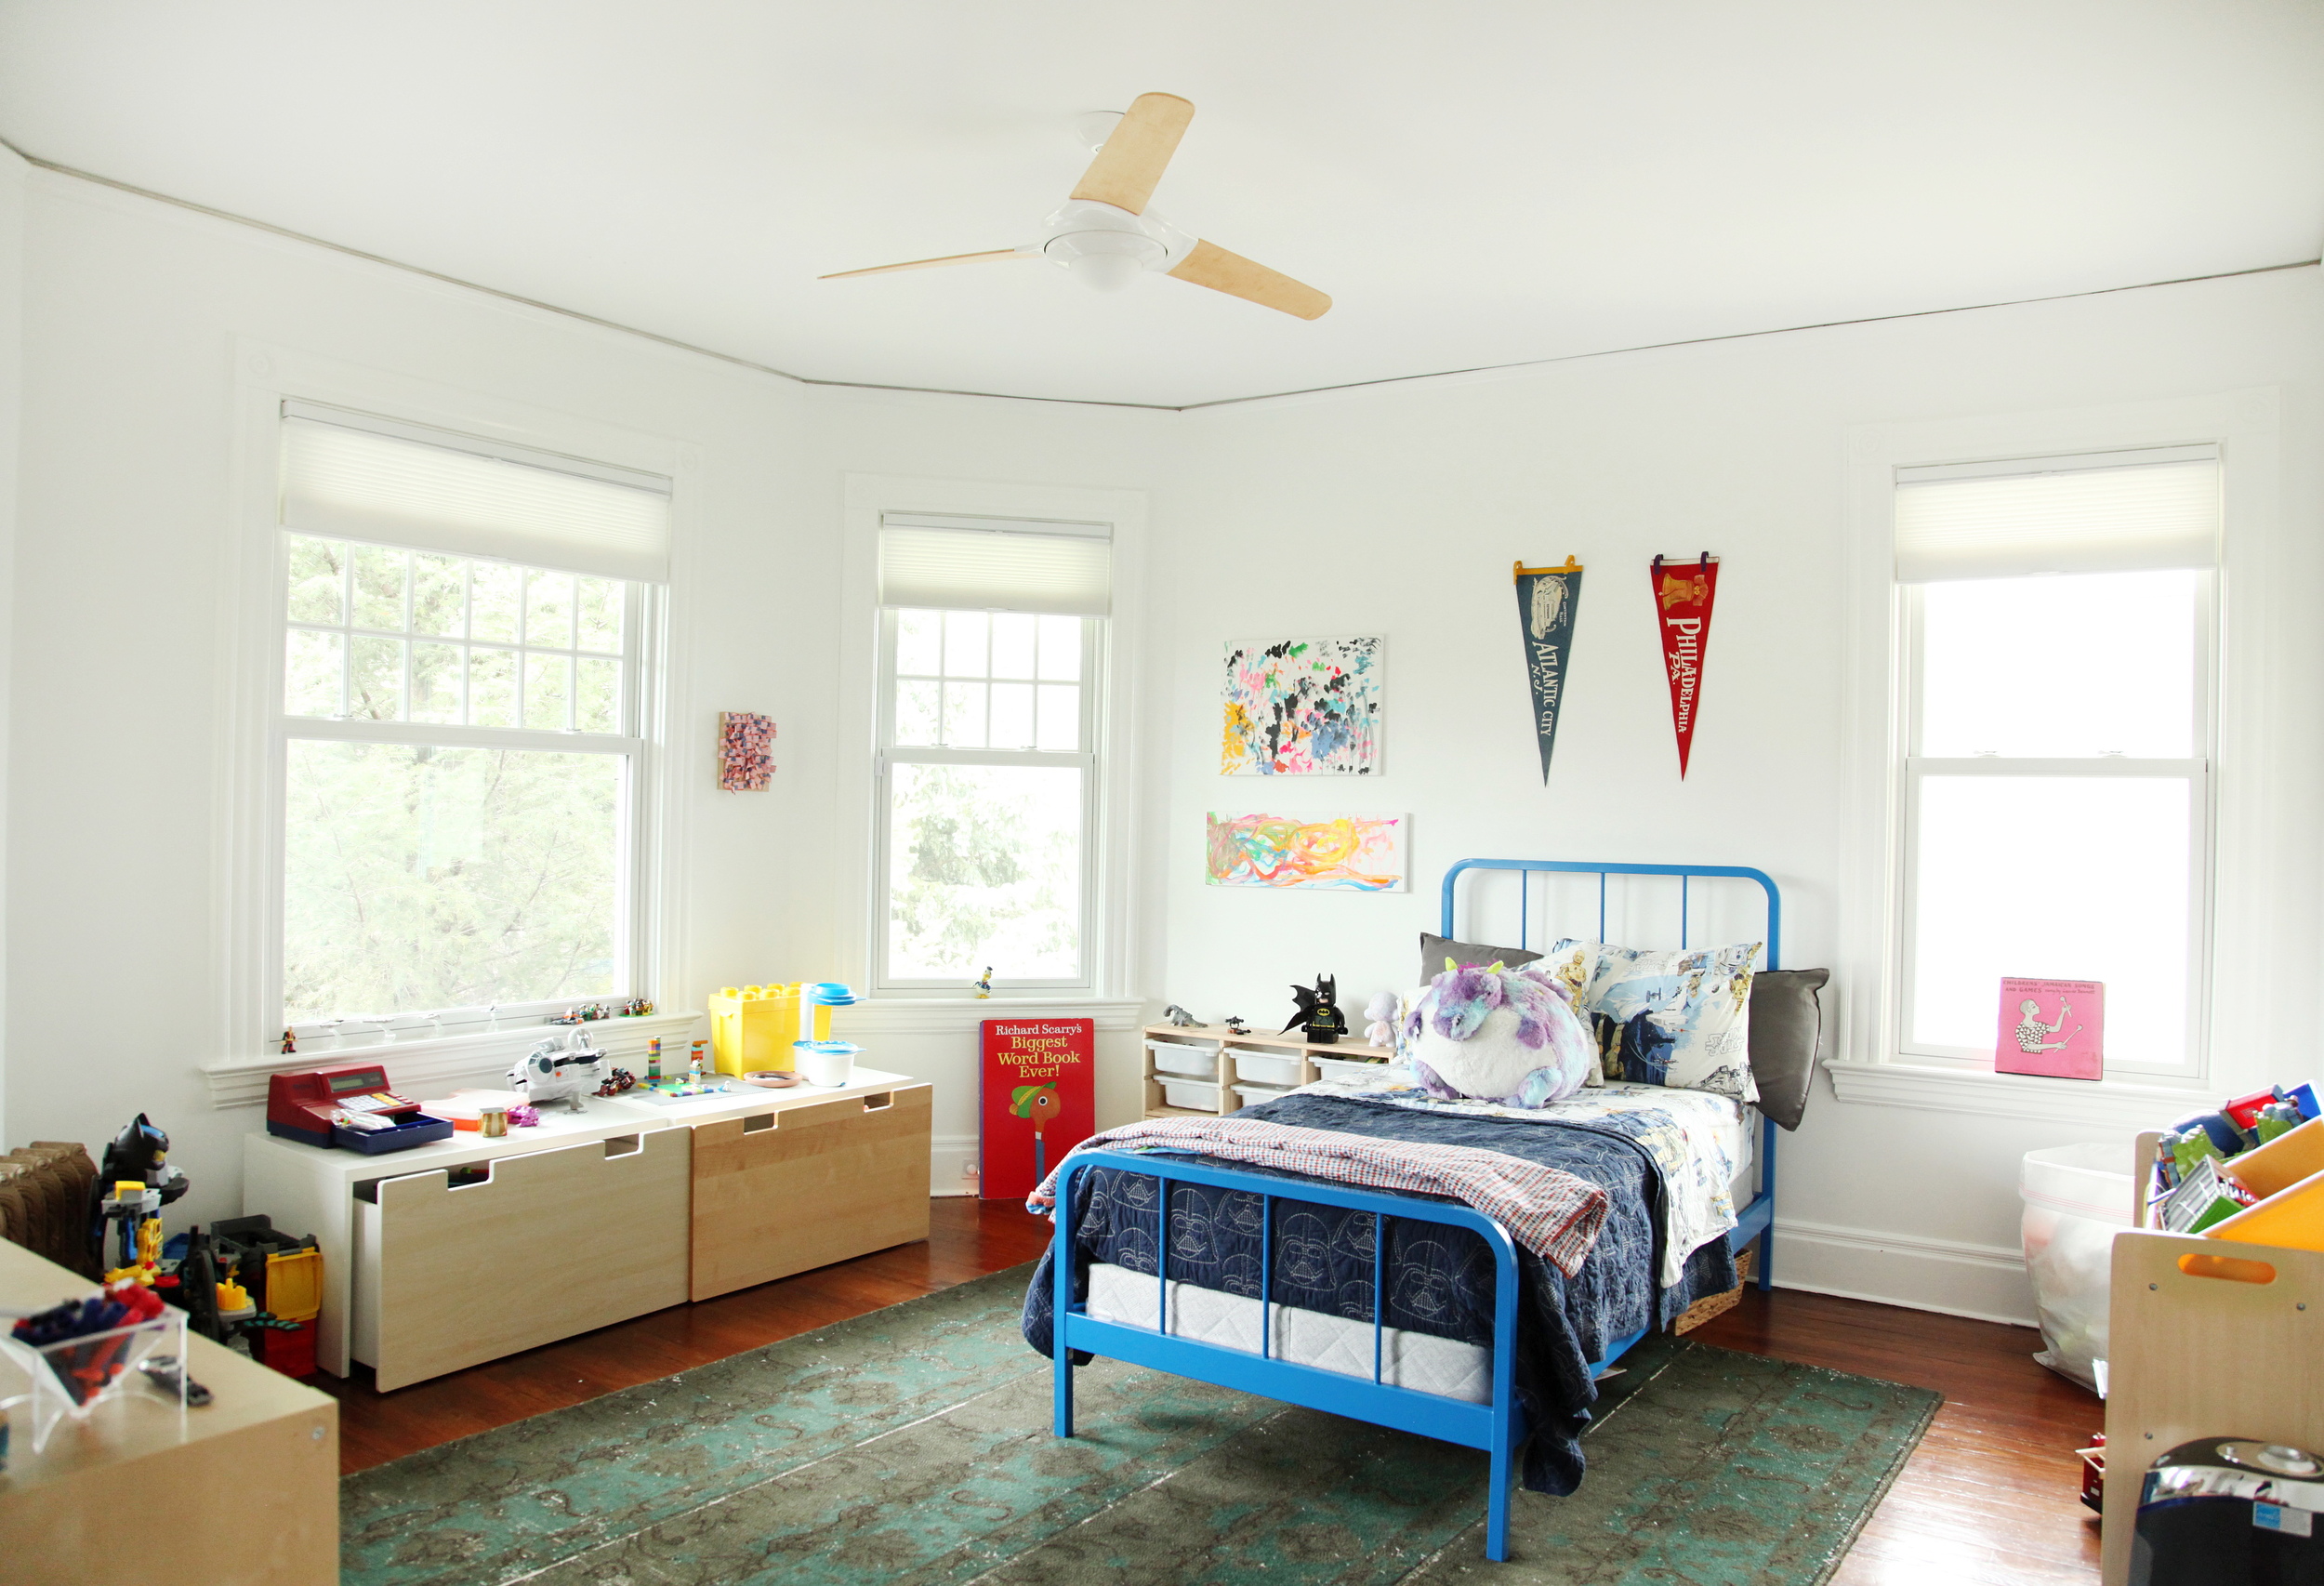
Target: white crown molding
pixel 2104 1104
pixel 416 1067
pixel 960 1015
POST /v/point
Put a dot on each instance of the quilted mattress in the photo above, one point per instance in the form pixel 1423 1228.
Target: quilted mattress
pixel 1408 1359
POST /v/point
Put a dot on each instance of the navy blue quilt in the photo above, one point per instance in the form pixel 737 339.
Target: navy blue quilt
pixel 1439 1280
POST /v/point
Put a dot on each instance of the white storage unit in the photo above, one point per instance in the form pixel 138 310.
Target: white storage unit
pixel 1251 1095
pixel 1354 1071
pixel 1181 1057
pixel 1189 1095
pixel 1282 1069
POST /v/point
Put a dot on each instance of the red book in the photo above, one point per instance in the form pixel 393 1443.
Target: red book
pixel 1039 1084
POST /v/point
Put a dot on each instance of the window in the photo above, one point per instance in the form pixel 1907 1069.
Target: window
pixel 990 639
pixel 2059 639
pixel 460 736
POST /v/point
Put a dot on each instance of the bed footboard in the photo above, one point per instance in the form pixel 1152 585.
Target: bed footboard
pixel 1498 1428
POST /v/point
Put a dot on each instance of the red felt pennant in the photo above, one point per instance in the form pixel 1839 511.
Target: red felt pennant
pixel 1684 592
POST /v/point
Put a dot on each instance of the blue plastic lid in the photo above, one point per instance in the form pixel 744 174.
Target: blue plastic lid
pixel 832 1047
pixel 831 994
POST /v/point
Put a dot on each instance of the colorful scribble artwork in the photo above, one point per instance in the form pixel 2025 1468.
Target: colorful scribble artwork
pixel 1302 707
pixel 746 751
pixel 1347 853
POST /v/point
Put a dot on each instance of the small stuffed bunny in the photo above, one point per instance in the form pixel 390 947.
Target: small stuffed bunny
pixel 1382 1011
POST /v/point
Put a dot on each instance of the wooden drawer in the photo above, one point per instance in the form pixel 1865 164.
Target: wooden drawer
pixel 550 1244
pixel 805 1186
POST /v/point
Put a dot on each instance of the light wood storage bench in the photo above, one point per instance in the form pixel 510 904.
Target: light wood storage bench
pixel 1206 1062
pixel 2206 1338
pixel 451 1254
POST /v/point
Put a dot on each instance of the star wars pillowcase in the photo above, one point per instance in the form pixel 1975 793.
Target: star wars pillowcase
pixel 1662 1018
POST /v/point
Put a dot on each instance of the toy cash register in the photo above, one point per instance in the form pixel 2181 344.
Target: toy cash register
pixel 350 1107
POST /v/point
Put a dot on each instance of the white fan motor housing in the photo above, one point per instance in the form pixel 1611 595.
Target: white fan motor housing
pixel 1106 248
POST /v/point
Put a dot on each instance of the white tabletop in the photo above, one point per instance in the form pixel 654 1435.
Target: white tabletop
pixel 602 1117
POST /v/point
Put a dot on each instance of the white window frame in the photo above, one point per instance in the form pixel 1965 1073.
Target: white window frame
pixel 892 755
pixel 633 744
pixel 2195 772
pixel 2252 894
pixel 1112 936
pixel 247 782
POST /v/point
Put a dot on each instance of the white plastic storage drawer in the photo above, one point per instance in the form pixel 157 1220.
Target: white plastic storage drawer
pixel 1253 1094
pixel 1198 1095
pixel 1177 1057
pixel 1346 1071
pixel 1269 1067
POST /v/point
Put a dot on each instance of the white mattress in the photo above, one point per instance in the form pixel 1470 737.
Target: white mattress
pixel 1420 1361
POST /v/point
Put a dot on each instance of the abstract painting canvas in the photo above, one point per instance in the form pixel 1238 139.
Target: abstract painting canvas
pixel 1302 707
pixel 1345 854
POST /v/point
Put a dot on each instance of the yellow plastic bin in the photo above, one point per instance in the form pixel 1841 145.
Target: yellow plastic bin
pixel 752 1028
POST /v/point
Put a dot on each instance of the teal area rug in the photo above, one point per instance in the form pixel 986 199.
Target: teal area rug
pixel 911 1448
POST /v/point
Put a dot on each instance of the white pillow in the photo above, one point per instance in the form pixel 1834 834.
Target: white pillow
pixel 1679 1019
pixel 1509 1035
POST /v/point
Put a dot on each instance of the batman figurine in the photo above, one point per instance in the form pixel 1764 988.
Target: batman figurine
pixel 1319 1013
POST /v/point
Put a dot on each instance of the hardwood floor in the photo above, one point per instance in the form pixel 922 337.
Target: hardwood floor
pixel 1993 1494
pixel 1990 1499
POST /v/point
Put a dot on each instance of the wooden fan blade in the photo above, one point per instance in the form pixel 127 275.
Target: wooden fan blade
pixel 930 263
pixel 1135 156
pixel 1210 265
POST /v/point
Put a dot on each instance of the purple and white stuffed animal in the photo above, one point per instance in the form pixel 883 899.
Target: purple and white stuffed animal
pixel 1498 1035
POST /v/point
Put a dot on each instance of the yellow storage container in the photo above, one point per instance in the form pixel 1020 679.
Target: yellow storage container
pixel 2293 1217
pixel 752 1028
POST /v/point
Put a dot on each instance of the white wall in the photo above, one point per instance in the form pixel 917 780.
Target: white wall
pixel 124 625
pixel 15 187
pixel 1399 512
pixel 1395 510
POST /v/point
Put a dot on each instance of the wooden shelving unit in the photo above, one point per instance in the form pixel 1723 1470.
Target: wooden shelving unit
pixel 1219 1045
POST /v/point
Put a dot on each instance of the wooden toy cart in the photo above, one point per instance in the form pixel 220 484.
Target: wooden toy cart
pixel 2206 1338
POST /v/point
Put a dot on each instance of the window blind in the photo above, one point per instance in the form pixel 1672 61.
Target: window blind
pixel 996 564
pixel 352 476
pixel 2104 513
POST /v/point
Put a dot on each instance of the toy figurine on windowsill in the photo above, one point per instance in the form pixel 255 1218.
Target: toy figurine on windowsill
pixel 1319 1013
pixel 985 986
pixel 290 1042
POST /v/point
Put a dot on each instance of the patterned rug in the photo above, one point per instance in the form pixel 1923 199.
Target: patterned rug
pixel 911 1448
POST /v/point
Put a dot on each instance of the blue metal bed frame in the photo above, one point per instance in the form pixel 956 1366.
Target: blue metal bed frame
pixel 1498 1428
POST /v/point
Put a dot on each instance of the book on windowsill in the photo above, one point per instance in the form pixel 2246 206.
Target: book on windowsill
pixel 2051 1027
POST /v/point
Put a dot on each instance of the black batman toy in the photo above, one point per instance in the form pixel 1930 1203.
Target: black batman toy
pixel 1319 1013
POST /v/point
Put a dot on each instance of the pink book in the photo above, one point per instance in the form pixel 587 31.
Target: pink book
pixel 2053 1027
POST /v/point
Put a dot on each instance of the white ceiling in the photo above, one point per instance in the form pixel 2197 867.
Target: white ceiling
pixel 1474 184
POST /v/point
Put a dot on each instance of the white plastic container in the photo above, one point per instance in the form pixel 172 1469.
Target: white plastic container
pixel 1199 1095
pixel 1253 1094
pixel 2077 1197
pixel 1346 1071
pixel 1177 1057
pixel 1268 1068
pixel 828 1063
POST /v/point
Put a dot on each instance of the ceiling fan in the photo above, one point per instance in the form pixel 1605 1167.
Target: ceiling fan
pixel 1105 236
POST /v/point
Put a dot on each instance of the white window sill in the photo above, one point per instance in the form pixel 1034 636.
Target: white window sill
pixel 2120 1105
pixel 952 1015
pixel 421 1068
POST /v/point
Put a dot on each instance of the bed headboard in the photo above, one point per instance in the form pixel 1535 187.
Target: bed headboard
pixel 1686 874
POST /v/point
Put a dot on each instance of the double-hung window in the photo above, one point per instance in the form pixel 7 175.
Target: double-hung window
pixel 2059 628
pixel 991 641
pixel 467 637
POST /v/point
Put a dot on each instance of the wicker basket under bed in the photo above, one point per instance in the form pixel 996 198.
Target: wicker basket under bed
pixel 1713 1305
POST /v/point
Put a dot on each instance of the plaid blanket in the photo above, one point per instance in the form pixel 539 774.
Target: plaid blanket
pixel 1549 1211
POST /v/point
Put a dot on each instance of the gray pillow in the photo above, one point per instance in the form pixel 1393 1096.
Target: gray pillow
pixel 1787 1022
pixel 1434 950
